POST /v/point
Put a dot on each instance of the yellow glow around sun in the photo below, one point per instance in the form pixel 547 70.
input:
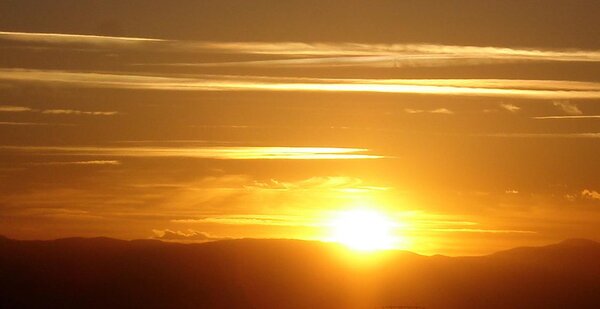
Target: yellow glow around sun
pixel 364 230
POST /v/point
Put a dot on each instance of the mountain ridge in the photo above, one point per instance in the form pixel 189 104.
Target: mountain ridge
pixel 569 242
pixel 267 273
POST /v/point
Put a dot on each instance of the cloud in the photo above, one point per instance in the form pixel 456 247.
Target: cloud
pixel 414 111
pixel 59 213
pixel 548 89
pixel 510 107
pixel 217 200
pixel 187 236
pixel 492 231
pixel 397 61
pixel 590 194
pixel 436 51
pixel 567 107
pixel 433 111
pixel 338 183
pixel 37 200
pixel 568 117
pixel 63 38
pixel 441 111
pixel 14 123
pixel 379 55
pixel 243 201
pixel 89 162
pixel 360 61
pixel 216 152
pixel 541 135
pixel 15 109
pixel 256 195
pixel 253 219
pixel 78 112
pixel 320 54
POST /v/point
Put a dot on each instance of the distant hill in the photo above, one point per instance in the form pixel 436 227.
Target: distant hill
pixel 109 273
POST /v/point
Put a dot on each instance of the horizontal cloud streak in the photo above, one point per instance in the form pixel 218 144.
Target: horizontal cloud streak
pixel 63 38
pixel 568 107
pixel 226 153
pixel 416 50
pixel 461 230
pixel 254 219
pixel 360 61
pixel 538 89
pixel 77 112
pixel 568 117
pixel 338 183
pixel 20 109
pixel 321 54
pixel 541 135
pixel 510 107
pixel 433 111
pixel 14 109
pixel 90 162
pixel 380 55
pixel 16 123
pixel 351 61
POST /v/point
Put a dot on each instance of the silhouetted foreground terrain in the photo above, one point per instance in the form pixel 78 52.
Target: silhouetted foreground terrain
pixel 108 273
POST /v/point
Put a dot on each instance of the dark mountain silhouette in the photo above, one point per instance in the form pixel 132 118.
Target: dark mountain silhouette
pixel 109 273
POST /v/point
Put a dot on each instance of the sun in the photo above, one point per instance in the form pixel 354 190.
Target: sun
pixel 364 230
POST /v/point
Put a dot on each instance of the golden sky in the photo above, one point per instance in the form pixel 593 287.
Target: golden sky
pixel 472 126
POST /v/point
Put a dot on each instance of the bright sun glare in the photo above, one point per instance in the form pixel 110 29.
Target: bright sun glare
pixel 364 230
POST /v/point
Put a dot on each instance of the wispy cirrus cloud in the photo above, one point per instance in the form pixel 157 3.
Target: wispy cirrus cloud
pixel 571 110
pixel 442 110
pixel 567 107
pixel 510 107
pixel 492 231
pixel 65 38
pixel 337 183
pixel 87 162
pixel 320 54
pixel 221 152
pixel 351 61
pixel 253 219
pixel 541 135
pixel 20 109
pixel 535 89
pixel 78 112
pixel 568 117
pixel 60 213
pixel 360 49
pixel 243 200
pixel 14 109
pixel 24 123
pixel 380 55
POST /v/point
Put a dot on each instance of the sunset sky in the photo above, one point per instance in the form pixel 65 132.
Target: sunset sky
pixel 472 126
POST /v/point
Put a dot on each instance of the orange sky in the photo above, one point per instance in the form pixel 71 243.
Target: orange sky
pixel 475 127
